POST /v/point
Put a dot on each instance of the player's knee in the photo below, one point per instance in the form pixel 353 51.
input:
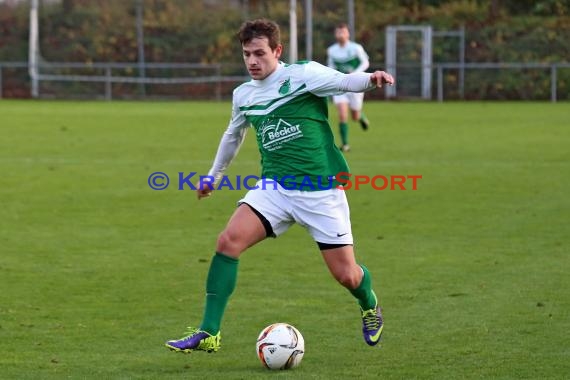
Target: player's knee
pixel 349 279
pixel 228 242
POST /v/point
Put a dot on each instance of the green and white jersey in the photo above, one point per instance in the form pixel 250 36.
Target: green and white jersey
pixel 349 58
pixel 289 113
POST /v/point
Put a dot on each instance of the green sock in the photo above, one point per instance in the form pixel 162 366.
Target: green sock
pixel 221 283
pixel 362 116
pixel 343 133
pixel 364 293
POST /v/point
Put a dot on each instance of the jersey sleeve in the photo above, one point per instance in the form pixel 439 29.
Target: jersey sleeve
pixel 237 120
pixel 324 81
pixel 321 80
pixel 230 143
pixel 363 58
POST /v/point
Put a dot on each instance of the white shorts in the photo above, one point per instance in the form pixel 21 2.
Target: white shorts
pixel 354 99
pixel 325 213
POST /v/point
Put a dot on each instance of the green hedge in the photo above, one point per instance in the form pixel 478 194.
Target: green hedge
pixel 204 31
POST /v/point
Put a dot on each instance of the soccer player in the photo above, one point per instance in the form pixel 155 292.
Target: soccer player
pixel 287 107
pixel 347 57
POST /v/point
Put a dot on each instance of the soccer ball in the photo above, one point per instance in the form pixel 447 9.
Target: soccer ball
pixel 280 346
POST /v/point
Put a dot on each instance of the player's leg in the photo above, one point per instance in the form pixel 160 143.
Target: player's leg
pixel 341 102
pixel 244 229
pixel 326 215
pixel 356 102
pixel 357 279
pixel 259 215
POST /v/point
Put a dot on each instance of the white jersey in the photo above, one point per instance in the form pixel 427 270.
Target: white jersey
pixel 289 113
pixel 349 58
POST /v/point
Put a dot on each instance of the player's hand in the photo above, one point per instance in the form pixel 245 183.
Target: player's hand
pixel 205 190
pixel 379 78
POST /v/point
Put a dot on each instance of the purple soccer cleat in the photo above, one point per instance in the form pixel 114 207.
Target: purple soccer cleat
pixel 195 340
pixel 372 325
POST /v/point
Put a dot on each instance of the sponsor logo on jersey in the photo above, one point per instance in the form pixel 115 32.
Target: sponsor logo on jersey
pixel 273 136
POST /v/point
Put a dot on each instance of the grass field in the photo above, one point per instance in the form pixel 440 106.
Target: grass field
pixel 97 270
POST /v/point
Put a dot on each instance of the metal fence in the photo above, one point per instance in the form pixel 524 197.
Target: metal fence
pixel 553 69
pixel 216 81
pixel 101 80
pixel 215 78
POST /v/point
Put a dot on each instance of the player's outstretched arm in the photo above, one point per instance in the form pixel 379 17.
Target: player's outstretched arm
pixel 323 81
pixel 360 82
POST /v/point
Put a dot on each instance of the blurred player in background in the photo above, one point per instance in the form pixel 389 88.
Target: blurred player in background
pixel 286 106
pixel 347 57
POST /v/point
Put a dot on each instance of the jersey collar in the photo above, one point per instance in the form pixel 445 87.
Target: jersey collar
pixel 271 77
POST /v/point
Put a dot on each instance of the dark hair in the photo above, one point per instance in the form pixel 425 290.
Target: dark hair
pixel 341 25
pixel 258 29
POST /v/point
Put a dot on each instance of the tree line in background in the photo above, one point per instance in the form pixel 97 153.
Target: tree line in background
pixel 204 31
